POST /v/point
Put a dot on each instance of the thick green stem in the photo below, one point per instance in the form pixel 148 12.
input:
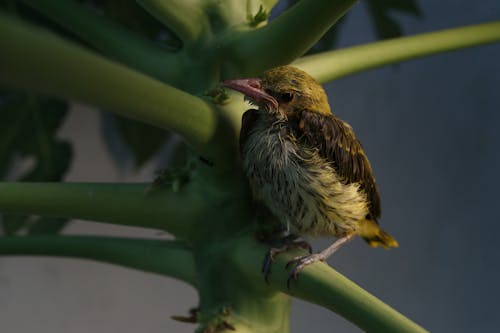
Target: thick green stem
pixel 186 18
pixel 111 39
pixel 125 204
pixel 322 285
pixel 332 65
pixel 269 4
pixel 284 39
pixel 253 307
pixel 36 60
pixel 170 258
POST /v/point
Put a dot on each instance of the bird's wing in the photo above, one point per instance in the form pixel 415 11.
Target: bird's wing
pixel 336 142
pixel 247 123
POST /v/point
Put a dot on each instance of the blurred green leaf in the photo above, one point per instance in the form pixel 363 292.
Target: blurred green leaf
pixel 28 129
pixel 39 140
pixel 135 18
pixel 127 140
pixel 15 224
pixel 12 223
pixel 386 26
pixel 143 140
pixel 47 225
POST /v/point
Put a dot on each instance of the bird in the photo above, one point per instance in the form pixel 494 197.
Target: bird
pixel 306 165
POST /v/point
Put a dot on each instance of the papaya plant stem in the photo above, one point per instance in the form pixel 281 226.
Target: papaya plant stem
pixel 269 4
pixel 111 39
pixel 171 258
pixel 124 204
pixel 285 38
pixel 332 65
pixel 320 284
pixel 186 18
pixel 28 62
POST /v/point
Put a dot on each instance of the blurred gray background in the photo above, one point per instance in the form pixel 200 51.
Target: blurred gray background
pixel 431 128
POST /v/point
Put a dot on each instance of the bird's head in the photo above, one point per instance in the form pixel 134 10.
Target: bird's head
pixel 283 91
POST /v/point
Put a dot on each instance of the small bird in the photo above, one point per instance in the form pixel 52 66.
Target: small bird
pixel 306 165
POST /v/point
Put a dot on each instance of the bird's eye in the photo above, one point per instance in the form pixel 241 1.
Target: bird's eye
pixel 285 97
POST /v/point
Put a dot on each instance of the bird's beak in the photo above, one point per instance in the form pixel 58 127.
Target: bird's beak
pixel 252 88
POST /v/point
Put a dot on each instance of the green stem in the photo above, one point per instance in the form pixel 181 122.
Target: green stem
pixel 124 204
pixel 111 39
pixel 186 18
pixel 287 37
pixel 269 4
pixel 170 258
pixel 322 285
pixel 332 65
pixel 39 61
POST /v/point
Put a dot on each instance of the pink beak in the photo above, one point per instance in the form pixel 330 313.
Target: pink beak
pixel 251 88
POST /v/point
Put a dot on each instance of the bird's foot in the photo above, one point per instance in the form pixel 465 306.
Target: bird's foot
pixel 298 263
pixel 286 244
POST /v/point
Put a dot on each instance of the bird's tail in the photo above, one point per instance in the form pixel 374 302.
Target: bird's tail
pixel 374 236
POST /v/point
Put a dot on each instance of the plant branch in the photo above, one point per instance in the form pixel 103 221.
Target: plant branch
pixel 284 39
pixel 269 4
pixel 186 18
pixel 332 65
pixel 36 60
pixel 124 204
pixel 320 284
pixel 111 39
pixel 170 258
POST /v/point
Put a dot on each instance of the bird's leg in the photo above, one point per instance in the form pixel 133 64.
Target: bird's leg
pixel 300 262
pixel 284 245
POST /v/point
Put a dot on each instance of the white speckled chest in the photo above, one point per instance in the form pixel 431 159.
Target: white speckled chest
pixel 301 189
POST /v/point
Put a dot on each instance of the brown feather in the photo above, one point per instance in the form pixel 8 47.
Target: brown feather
pixel 336 142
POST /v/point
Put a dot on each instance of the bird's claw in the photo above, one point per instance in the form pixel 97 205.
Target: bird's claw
pixel 268 260
pixel 304 245
pixel 299 263
pixel 274 251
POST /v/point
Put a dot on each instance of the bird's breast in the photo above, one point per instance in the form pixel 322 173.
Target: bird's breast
pixel 298 186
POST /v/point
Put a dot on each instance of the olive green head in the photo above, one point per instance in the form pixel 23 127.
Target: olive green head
pixel 286 90
pixel 295 90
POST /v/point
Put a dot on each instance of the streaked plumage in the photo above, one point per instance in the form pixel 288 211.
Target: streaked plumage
pixel 306 164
